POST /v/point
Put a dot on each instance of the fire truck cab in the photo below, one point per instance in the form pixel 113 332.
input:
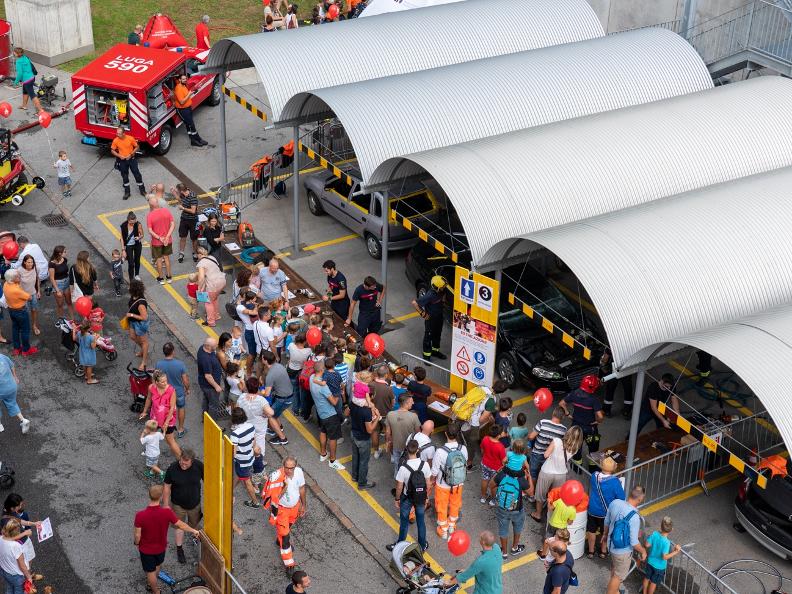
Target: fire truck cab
pixel 132 86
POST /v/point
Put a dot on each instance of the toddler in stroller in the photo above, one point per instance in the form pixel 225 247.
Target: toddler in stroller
pixel 408 560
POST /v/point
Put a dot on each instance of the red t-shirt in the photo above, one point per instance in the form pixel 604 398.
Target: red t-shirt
pixel 192 290
pixel 154 522
pixel 201 33
pixel 159 221
pixel 492 453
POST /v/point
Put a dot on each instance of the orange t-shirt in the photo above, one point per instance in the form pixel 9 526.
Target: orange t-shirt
pixel 124 146
pixel 181 92
pixel 15 295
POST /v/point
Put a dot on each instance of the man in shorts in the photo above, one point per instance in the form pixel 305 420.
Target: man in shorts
pixel 182 493
pixel 151 535
pixel 621 557
pixel 513 515
pixel 160 225
pixel 188 222
pixel 329 420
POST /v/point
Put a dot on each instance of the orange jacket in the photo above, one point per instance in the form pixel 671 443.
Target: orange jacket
pixel 182 96
pixel 288 149
pixel 258 165
pixel 273 488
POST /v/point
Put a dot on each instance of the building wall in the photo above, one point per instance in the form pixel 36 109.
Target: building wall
pixel 620 15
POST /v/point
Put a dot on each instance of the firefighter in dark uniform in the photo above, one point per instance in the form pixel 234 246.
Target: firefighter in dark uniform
pixel 606 369
pixel 369 295
pixel 586 413
pixel 430 306
pixel 336 290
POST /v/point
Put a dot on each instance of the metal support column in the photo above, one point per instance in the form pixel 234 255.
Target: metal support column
pixel 688 17
pixel 296 176
pixel 223 147
pixel 385 251
pixel 636 414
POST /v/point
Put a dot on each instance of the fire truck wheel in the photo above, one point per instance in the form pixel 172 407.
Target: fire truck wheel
pixel 17 200
pixel 166 139
pixel 217 93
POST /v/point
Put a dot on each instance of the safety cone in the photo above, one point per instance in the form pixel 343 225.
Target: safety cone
pixel 753 458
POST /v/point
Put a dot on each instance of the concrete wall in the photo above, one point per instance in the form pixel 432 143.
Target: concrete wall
pixel 620 15
pixel 51 31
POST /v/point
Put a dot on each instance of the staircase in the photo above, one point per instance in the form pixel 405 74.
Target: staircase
pixel 754 36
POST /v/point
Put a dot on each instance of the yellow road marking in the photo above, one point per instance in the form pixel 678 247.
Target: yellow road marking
pixel 408 316
pixel 168 288
pixel 321 244
pixel 573 295
pixel 688 494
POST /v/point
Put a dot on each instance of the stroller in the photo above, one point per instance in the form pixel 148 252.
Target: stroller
pixel 139 382
pixel 103 343
pixel 409 562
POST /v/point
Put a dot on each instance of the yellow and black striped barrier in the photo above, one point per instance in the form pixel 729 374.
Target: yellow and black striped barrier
pixel 424 236
pixel 713 446
pixel 564 337
pixel 314 156
pixel 245 103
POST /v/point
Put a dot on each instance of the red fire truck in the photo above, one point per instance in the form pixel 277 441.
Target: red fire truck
pixel 132 86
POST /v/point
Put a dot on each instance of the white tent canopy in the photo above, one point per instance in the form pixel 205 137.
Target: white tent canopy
pixel 356 50
pixel 376 7
pixel 397 115
pixel 568 171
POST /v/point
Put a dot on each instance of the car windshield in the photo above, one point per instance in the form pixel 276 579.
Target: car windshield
pixel 544 297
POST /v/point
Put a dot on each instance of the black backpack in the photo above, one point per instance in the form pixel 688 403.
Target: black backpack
pixel 416 484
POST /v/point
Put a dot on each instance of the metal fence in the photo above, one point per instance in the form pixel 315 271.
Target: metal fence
pixel 249 187
pixel 685 575
pixel 692 464
pixel 759 26
pixel 236 587
pixel 434 372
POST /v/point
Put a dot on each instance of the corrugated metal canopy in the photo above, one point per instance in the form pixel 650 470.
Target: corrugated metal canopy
pixel 309 58
pixel 759 350
pixel 506 186
pixel 398 115
pixel 675 266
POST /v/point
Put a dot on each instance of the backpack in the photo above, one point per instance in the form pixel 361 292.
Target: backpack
pixel 455 469
pixel 416 484
pixel 306 373
pixel 464 406
pixel 421 449
pixel 620 535
pixel 508 493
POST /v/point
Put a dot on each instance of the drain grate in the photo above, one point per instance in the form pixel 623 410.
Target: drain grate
pixel 54 220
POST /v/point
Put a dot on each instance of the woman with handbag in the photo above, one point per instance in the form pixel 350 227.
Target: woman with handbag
pixel 161 404
pixel 137 321
pixel 132 244
pixel 211 281
pixel 604 488
pixel 83 277
pixel 59 279
pixel 26 76
pixel 554 470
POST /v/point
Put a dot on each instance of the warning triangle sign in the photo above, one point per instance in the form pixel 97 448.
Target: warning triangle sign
pixel 463 354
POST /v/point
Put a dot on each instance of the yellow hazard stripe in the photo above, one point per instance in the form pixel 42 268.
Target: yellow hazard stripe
pixel 564 337
pixel 424 236
pixel 245 103
pixel 327 164
pixel 713 446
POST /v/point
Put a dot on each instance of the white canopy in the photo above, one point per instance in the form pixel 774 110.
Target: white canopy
pixel 376 7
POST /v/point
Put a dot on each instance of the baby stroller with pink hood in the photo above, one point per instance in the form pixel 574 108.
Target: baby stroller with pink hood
pixel 408 560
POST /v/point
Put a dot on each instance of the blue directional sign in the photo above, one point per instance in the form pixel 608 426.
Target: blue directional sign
pixel 467 290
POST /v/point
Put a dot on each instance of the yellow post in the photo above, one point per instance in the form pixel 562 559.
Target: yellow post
pixel 213 480
pixel 228 503
pixel 460 307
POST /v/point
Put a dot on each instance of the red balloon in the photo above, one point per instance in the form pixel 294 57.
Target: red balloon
pixel 572 493
pixel 374 344
pixel 313 336
pixel 332 12
pixel 10 249
pixel 83 305
pixel 543 399
pixel 458 543
pixel 44 119
pixel 5 109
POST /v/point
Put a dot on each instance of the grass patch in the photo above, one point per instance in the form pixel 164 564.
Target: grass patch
pixel 114 19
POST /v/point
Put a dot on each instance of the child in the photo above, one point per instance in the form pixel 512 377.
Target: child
pixel 258 476
pixel 520 431
pixel 276 322
pixel 503 419
pixel 561 535
pixel 492 454
pixel 64 169
pixel 294 318
pixel 361 388
pixel 659 552
pixel 117 272
pixel 516 460
pixel 150 440
pixel 87 348
pixel 192 294
pixel 14 507
pixel 96 317
pixel 561 516
pixel 236 349
pixel 236 383
pixel 398 387
pixel 350 356
pixel 341 366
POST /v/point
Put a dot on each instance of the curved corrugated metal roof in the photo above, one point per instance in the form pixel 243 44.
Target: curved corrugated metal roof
pixel 308 58
pixel 675 266
pixel 567 171
pixel 399 115
pixel 758 349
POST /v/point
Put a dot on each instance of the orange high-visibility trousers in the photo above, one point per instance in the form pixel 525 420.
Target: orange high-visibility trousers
pixel 283 520
pixel 448 502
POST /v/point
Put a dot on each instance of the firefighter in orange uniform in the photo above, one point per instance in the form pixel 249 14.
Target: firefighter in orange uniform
pixel 183 102
pixel 261 169
pixel 284 496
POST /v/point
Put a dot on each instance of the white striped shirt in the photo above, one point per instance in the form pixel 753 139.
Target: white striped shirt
pixel 242 437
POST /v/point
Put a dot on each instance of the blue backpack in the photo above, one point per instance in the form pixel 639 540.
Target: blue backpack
pixel 620 535
pixel 508 493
